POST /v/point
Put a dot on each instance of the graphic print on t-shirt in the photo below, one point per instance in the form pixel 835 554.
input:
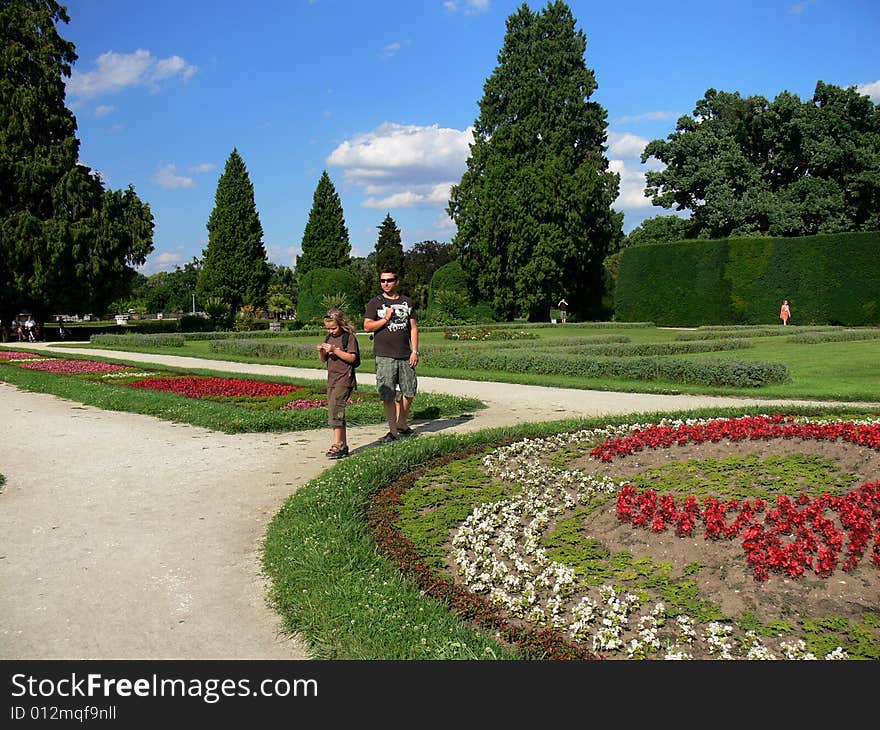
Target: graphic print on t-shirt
pixel 399 318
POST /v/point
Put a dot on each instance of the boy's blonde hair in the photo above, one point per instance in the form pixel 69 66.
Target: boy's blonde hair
pixel 338 317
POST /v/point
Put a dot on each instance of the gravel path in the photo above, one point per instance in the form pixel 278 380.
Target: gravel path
pixel 128 537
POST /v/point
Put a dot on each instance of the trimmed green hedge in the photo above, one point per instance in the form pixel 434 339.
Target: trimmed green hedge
pixel 828 279
pixel 752 374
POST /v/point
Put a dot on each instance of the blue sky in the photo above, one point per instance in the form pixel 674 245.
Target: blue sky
pixel 382 95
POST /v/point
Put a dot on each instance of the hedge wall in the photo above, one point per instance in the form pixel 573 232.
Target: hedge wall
pixel 827 279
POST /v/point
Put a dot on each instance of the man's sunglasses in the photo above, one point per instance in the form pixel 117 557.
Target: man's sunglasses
pixel 388 281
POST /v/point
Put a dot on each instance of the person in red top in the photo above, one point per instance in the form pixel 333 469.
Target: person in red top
pixel 785 312
pixel 340 353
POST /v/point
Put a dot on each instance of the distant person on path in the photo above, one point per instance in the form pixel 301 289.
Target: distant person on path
pixel 340 351
pixel 30 328
pixel 563 310
pixel 17 328
pixel 785 312
pixel 390 318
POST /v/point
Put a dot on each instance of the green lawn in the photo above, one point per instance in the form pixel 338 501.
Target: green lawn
pixel 826 371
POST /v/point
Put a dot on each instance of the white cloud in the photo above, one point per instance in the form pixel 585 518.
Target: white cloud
pixel 431 195
pixel 165 261
pixel 467 6
pixel 632 187
pixel 202 168
pixel 166 176
pixel 402 166
pixel 871 90
pixel 647 117
pixel 103 110
pixel 117 71
pixel 390 50
pixel 626 145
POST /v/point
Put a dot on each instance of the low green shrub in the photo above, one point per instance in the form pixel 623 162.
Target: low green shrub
pixel 812 338
pixel 705 372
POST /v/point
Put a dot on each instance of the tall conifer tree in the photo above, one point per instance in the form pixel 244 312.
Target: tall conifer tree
pixel 67 245
pixel 234 266
pixel 325 243
pixel 533 208
pixel 389 247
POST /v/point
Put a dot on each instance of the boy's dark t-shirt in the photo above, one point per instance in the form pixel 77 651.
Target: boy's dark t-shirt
pixel 392 340
pixel 338 371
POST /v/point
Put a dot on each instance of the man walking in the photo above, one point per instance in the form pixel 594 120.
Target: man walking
pixel 390 319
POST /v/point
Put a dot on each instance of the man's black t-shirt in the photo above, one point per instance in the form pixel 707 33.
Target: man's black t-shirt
pixel 392 340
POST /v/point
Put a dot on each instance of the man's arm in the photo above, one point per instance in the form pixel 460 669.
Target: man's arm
pixel 373 325
pixel 414 343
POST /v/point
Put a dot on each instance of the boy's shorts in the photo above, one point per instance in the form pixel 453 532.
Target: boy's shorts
pixel 391 372
pixel 337 397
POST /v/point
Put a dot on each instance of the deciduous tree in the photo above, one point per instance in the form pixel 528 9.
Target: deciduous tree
pixel 533 208
pixel 420 262
pixel 749 167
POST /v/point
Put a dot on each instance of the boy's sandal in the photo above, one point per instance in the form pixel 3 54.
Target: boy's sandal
pixel 332 450
pixel 340 453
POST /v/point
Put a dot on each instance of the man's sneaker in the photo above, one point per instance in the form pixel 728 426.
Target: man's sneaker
pixel 405 432
pixel 388 438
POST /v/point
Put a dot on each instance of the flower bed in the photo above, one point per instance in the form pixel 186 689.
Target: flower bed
pixel 73 366
pixel 562 550
pixel 16 355
pixel 207 387
pixel 481 334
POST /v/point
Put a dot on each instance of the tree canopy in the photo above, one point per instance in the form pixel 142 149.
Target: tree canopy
pixel 420 263
pixel 164 291
pixel 533 208
pixel 234 264
pixel 67 245
pixel 746 166
pixel 325 242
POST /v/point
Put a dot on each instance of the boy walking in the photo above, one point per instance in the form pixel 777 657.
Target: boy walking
pixel 390 318
pixel 340 351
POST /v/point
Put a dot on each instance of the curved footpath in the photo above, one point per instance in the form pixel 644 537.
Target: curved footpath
pixel 126 537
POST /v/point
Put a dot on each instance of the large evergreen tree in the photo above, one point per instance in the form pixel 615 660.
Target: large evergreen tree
pixel 325 241
pixel 66 244
pixel 234 264
pixel 747 167
pixel 389 247
pixel 533 208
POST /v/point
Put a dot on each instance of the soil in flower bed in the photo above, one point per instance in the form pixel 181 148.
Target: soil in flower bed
pixel 726 579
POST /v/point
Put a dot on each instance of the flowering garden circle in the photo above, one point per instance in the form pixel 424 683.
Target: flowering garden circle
pixel 751 538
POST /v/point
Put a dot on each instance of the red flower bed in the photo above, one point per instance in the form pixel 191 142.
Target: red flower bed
pixel 73 366
pixel 205 387
pixel 796 536
pixel 16 355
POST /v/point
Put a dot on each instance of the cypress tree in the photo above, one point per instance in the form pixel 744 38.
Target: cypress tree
pixel 325 241
pixel 234 267
pixel 389 248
